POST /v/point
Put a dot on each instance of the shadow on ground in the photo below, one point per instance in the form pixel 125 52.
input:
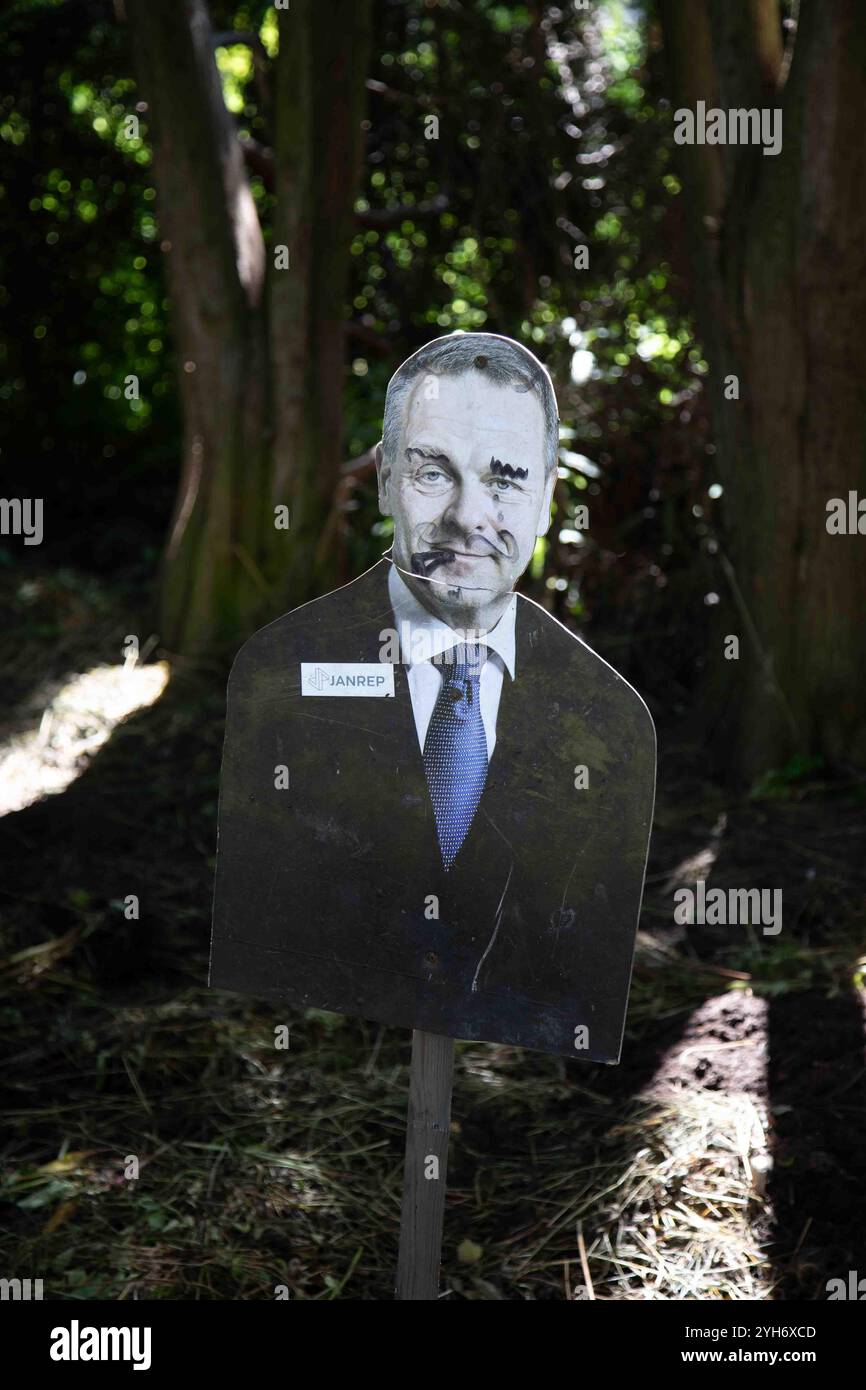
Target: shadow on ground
pixel 259 1167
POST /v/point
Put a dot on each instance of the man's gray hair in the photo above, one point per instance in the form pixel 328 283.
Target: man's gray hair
pixel 502 361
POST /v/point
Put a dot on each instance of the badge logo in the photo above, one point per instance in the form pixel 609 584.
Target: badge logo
pixel 343 678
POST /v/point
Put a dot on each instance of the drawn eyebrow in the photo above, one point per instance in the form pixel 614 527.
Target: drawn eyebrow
pixel 427 452
pixel 505 470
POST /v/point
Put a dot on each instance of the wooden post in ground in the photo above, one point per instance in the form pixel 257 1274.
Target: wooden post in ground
pixel 423 1179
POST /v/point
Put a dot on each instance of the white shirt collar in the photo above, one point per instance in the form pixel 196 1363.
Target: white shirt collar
pixel 413 618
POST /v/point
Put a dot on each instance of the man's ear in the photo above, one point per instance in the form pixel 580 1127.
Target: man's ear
pixel 544 517
pixel 383 475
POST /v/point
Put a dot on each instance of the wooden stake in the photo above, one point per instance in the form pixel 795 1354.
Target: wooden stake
pixel 426 1139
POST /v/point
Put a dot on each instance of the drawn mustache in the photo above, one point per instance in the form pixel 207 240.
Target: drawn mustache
pixel 446 552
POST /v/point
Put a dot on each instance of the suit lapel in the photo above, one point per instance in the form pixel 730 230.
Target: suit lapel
pixel 517 719
pixel 392 719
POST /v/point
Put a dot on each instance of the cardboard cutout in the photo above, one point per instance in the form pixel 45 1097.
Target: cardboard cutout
pixel 435 800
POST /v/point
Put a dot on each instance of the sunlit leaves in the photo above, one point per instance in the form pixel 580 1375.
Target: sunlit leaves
pixel 107 109
pixel 14 129
pixel 235 69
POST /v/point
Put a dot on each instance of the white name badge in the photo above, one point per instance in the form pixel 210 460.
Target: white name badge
pixel 347 678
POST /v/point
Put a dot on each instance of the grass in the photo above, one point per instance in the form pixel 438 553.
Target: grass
pixel 259 1169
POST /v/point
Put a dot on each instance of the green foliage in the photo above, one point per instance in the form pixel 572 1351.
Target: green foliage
pixel 84 303
pixel 790 779
pixel 552 135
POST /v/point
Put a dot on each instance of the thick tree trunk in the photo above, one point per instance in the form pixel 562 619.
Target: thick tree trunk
pixel 260 348
pixel 779 257
pixel 321 70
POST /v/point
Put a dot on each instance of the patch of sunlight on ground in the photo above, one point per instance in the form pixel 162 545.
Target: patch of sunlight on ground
pixel 683 1225
pixel 79 719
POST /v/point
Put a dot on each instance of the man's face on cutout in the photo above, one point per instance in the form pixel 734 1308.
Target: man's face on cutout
pixel 469 493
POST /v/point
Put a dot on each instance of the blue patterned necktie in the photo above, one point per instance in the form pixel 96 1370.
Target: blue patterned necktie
pixel 455 749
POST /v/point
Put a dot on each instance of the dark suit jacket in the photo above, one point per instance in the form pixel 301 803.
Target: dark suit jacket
pixel 326 893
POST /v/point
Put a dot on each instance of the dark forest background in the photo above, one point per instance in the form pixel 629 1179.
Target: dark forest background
pixel 222 227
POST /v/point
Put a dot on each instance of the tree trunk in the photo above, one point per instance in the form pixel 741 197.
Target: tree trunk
pixel 321 71
pixel 778 245
pixel 260 348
